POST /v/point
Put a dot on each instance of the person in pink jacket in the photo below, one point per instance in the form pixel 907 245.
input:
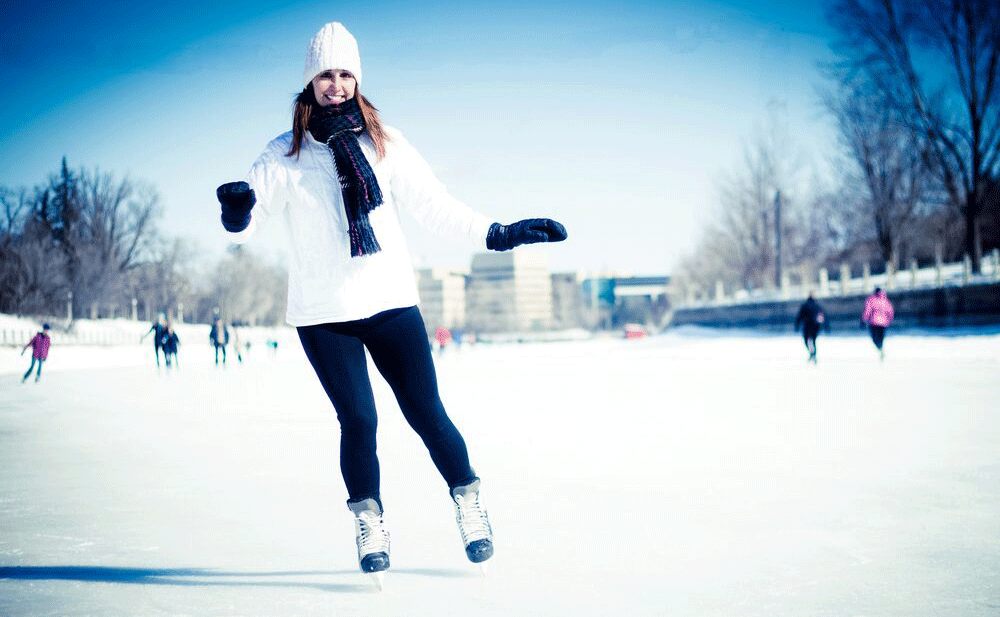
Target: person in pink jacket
pixel 878 316
pixel 40 345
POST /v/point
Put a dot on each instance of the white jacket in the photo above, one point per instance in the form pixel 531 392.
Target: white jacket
pixel 326 284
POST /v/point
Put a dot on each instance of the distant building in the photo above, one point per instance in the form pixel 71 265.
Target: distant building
pixel 442 298
pixel 514 291
pixel 509 292
pixel 568 301
pixel 640 299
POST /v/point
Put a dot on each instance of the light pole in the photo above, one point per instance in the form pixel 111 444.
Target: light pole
pixel 777 239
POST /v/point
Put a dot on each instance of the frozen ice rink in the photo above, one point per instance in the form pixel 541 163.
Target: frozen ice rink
pixel 678 475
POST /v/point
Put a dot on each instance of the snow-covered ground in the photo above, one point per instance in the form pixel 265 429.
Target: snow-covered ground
pixel 678 475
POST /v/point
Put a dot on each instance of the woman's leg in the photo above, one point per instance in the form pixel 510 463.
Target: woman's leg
pixel 30 368
pixel 339 362
pixel 878 336
pixel 402 353
pixel 38 375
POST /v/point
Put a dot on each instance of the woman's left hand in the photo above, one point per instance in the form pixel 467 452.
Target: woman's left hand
pixel 528 231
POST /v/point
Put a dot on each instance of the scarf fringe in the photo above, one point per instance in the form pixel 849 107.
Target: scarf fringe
pixel 363 241
pixel 339 127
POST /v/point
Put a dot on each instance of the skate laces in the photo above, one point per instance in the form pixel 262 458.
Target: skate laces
pixel 472 520
pixel 372 536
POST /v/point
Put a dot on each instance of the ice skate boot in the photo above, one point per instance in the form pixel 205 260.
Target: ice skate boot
pixel 474 525
pixel 371 537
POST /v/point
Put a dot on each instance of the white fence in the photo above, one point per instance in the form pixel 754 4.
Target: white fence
pixel 17 331
pixel 847 284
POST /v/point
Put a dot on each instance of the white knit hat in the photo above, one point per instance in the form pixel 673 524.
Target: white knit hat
pixel 333 47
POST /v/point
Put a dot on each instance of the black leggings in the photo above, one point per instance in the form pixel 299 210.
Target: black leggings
pixel 397 342
pixel 809 334
pixel 878 335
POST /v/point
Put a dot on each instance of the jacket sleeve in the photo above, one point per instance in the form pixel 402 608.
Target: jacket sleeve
pixel 267 179
pixel 416 189
pixel 866 315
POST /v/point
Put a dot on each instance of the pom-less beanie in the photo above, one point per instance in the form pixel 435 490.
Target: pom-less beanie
pixel 333 47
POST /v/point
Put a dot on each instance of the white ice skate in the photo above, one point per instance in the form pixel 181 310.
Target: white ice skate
pixel 474 525
pixel 372 539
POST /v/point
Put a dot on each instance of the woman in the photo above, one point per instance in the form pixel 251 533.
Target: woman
pixel 339 178
pixel 39 344
pixel 878 316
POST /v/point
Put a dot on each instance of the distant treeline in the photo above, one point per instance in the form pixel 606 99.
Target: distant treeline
pixel 85 239
pixel 914 94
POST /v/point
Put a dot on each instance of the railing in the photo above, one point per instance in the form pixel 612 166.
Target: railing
pixel 20 336
pixel 939 275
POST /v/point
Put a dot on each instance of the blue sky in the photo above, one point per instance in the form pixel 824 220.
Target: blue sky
pixel 618 120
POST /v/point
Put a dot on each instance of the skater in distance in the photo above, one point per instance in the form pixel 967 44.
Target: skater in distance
pixel 340 178
pixel 877 315
pixel 39 344
pixel 811 318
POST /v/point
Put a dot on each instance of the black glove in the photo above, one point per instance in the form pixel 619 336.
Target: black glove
pixel 529 231
pixel 237 200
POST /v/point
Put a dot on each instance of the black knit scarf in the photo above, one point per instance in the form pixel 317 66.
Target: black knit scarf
pixel 338 126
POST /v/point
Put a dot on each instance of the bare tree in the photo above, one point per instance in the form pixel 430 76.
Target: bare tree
pixel 900 46
pixel 114 232
pixel 32 275
pixel 246 288
pixel 740 248
pixel 889 165
pixel 746 236
pixel 80 233
pixel 165 279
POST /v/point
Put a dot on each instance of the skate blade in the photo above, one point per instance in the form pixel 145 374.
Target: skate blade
pixel 377 579
pixel 483 568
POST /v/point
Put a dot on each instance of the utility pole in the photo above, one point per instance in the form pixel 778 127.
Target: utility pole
pixel 777 239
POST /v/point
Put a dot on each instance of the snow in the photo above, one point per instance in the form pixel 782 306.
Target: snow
pixel 673 475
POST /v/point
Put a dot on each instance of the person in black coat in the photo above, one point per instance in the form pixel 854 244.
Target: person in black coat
pixel 170 342
pixel 219 337
pixel 811 318
pixel 158 330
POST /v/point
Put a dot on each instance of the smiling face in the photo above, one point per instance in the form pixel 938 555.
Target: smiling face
pixel 334 87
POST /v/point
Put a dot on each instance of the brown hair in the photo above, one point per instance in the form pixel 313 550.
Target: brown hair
pixel 305 101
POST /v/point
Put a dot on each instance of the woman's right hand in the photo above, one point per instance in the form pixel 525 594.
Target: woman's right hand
pixel 236 199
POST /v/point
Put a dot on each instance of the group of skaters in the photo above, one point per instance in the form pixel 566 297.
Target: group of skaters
pixel 876 316
pixel 165 340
